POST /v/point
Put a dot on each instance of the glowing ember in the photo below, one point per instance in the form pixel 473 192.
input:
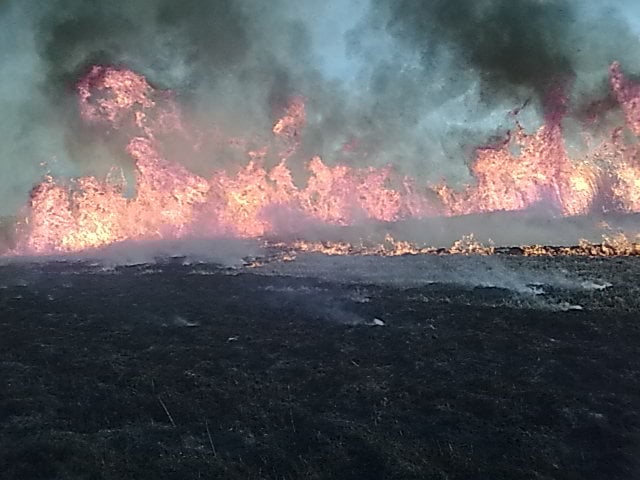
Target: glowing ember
pixel 172 202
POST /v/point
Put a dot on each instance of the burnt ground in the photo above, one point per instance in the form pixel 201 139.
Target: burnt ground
pixel 175 370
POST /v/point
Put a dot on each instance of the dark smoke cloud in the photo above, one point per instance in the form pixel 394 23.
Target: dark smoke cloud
pixel 515 47
pixel 511 43
pixel 180 45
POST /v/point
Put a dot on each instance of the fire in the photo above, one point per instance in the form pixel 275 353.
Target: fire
pixel 293 121
pixel 628 95
pixel 540 171
pixel 106 95
pixel 616 245
pixel 172 202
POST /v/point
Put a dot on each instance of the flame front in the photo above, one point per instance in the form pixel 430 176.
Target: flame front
pixel 172 202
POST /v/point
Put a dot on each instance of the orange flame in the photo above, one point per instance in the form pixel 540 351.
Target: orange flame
pixel 172 202
pixel 628 95
pixel 540 172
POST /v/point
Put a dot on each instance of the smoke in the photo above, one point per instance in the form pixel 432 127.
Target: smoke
pixel 418 83
pixel 215 55
pixel 476 60
pixel 513 46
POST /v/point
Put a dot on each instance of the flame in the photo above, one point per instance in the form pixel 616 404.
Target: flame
pixel 172 202
pixel 628 95
pixel 541 171
pixel 616 245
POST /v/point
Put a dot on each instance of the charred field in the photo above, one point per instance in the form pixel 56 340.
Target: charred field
pixel 418 366
pixel 246 239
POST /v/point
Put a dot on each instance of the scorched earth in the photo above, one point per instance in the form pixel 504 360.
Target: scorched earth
pixel 417 366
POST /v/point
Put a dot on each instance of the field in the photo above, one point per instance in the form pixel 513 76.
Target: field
pixel 356 367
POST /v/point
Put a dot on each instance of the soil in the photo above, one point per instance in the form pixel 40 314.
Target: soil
pixel 171 370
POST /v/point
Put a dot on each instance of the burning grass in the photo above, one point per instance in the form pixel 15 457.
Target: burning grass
pixel 259 200
pixel 610 246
